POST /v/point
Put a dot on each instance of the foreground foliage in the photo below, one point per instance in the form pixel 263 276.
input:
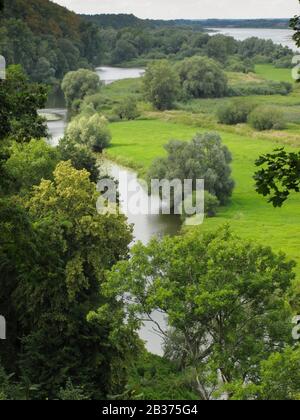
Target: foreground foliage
pixel 19 102
pixel 52 268
pixel 225 300
pixel 279 175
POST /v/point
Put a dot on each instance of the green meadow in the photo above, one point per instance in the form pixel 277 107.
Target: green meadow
pixel 137 143
pixel 269 72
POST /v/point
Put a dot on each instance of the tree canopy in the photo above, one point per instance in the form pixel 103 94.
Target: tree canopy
pixel 204 157
pixel 78 84
pixel 202 78
pixel 224 299
pixel 20 101
pixel 56 302
pixel 161 85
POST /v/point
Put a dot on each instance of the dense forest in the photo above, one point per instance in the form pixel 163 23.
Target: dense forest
pixel 48 41
pixel 73 290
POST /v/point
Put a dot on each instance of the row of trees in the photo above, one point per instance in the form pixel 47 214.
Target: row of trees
pixel 196 77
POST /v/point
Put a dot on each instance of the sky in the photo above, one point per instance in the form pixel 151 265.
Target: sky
pixel 188 9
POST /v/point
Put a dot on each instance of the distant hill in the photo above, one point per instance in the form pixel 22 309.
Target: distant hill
pixel 48 40
pixel 44 17
pixel 115 21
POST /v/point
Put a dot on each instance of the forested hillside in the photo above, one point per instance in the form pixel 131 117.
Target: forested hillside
pixel 115 21
pixel 43 16
pixel 46 39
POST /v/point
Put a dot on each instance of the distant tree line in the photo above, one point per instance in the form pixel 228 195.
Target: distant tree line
pixel 126 20
pixel 49 41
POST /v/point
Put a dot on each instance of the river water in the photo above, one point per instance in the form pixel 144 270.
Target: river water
pixel 112 74
pixel 278 36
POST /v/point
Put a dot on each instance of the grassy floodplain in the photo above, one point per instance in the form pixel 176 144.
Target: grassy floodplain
pixel 269 72
pixel 137 143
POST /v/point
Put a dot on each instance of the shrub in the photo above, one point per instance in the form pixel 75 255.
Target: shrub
pixel 91 131
pixel 72 393
pixel 266 88
pixel 266 118
pixel 284 63
pixel 234 112
pixel 240 66
pixel 127 109
pixel 202 77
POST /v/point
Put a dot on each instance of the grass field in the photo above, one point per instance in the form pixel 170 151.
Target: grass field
pixel 269 72
pixel 137 143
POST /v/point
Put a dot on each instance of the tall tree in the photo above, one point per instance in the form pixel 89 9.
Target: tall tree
pixel 161 85
pixel 77 84
pixel 66 327
pixel 224 299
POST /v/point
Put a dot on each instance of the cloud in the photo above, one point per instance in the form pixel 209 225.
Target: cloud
pixel 189 9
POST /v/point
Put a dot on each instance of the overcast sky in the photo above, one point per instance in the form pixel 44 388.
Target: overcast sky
pixel 188 9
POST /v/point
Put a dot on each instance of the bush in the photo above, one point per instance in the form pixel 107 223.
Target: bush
pixel 91 131
pixel 266 88
pixel 234 112
pixel 284 63
pixel 72 393
pixel 127 110
pixel 202 77
pixel 266 118
pixel 240 66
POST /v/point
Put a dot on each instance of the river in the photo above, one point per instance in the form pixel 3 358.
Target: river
pixel 278 36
